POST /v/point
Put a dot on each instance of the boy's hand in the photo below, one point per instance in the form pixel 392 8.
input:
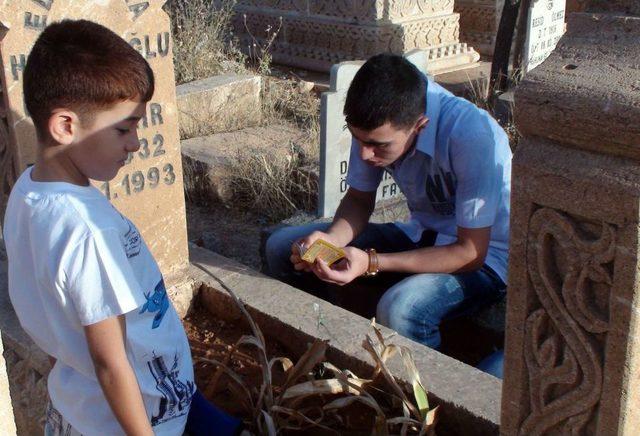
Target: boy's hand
pixel 355 263
pixel 304 243
pixel 106 342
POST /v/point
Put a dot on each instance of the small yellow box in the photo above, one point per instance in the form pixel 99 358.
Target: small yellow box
pixel 323 250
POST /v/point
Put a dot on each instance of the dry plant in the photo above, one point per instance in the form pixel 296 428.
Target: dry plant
pixel 259 49
pixel 267 183
pixel 315 394
pixel 203 39
pixel 478 94
pixel 275 184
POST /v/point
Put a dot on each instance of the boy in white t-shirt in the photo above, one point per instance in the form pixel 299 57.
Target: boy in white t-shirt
pixel 82 281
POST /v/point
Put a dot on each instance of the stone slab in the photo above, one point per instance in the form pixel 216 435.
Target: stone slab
pixel 630 7
pixel 469 398
pixel 469 81
pixel 212 162
pixel 153 176
pixel 219 104
pixel 570 99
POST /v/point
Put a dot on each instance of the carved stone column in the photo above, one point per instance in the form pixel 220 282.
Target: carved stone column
pixel 479 20
pixel 318 34
pixel 573 327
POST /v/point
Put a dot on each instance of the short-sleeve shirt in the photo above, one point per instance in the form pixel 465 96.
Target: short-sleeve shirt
pixel 458 174
pixel 74 260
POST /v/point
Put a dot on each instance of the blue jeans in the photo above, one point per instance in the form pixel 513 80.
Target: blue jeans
pixel 414 305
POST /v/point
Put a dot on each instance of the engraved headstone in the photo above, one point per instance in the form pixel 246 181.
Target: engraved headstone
pixel 335 138
pixel 148 189
pixel 545 27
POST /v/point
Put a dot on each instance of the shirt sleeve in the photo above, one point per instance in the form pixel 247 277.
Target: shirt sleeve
pixel 101 281
pixel 477 154
pixel 361 176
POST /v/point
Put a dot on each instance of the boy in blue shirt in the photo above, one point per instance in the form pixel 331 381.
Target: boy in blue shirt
pixel 452 162
pixel 82 281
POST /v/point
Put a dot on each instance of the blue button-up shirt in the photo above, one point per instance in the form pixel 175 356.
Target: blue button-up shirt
pixel 457 175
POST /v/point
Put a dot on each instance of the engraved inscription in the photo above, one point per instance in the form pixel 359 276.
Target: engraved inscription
pixel 137 9
pixel 33 21
pixel 151 46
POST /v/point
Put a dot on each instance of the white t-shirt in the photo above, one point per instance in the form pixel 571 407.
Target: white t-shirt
pixel 74 260
pixel 458 174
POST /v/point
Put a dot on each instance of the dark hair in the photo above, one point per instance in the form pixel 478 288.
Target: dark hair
pixel 82 66
pixel 388 88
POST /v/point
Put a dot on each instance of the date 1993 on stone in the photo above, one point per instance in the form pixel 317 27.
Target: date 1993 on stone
pixel 138 181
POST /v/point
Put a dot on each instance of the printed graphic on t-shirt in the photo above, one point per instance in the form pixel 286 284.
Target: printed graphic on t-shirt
pixel 440 188
pixel 156 302
pixel 132 241
pixel 176 394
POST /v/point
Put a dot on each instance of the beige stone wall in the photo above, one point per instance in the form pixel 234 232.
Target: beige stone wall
pixel 572 349
pixel 317 35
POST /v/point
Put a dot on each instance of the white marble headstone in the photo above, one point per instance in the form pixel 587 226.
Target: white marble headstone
pixel 545 26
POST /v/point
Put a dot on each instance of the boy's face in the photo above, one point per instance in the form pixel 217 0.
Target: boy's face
pixel 384 145
pixel 101 148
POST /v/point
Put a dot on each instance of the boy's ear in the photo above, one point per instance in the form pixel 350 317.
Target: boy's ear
pixel 421 123
pixel 63 125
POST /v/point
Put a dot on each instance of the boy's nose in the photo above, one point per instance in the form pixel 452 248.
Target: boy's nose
pixel 366 153
pixel 134 144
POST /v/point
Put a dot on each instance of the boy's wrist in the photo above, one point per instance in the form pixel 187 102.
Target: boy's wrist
pixel 373 267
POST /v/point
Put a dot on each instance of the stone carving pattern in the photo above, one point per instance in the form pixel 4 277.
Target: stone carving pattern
pixel 353 10
pixel 564 339
pixel 358 10
pixel 285 5
pixel 412 8
pixel 478 18
pixel 336 42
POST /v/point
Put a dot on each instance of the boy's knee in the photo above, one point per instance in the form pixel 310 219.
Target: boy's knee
pixel 276 250
pixel 412 299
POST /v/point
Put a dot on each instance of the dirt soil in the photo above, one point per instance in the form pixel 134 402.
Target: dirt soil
pixel 227 231
pixel 214 339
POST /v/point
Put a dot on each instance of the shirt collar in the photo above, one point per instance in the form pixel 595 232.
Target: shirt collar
pixel 426 142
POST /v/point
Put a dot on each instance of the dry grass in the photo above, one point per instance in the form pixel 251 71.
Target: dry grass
pixel 203 39
pixel 316 395
pixel 478 94
pixel 273 184
pixel 276 184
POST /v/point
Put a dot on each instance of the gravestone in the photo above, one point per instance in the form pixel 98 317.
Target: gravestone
pixel 315 35
pixel 545 27
pixel 152 176
pixel 572 356
pixel 335 138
